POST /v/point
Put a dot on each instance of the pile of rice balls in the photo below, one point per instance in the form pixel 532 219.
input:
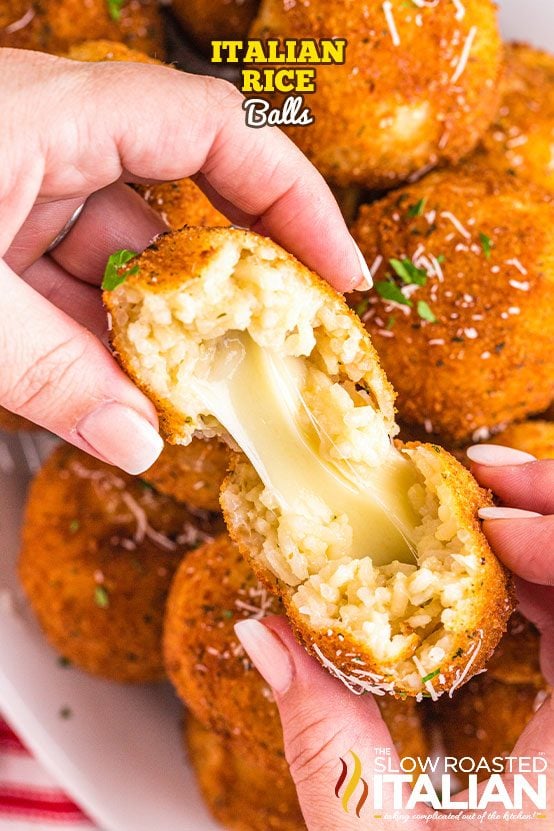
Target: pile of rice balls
pixel 444 169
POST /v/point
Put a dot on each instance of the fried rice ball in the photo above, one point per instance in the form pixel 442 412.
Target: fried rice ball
pixel 182 203
pixel 192 474
pixel 420 82
pixel 487 717
pixel 108 50
pixel 223 324
pixel 11 422
pixel 212 590
pixel 204 660
pixel 521 137
pixel 54 25
pixel 461 312
pixel 242 791
pixel 535 437
pixel 98 555
pixel 207 20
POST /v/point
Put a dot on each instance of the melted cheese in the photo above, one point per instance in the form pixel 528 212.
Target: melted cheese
pixel 256 395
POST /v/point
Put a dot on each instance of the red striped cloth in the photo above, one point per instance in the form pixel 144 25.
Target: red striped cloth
pixel 30 799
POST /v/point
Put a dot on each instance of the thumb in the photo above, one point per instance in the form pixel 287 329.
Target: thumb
pixel 332 737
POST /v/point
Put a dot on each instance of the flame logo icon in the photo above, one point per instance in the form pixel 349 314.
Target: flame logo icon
pixel 351 785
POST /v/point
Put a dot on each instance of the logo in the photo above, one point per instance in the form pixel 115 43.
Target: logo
pixel 350 786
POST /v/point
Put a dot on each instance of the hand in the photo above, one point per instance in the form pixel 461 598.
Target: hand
pixel 322 721
pixel 74 131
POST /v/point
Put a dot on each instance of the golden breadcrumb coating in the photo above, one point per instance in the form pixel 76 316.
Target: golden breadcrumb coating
pixel 11 422
pixel 418 87
pixel 108 50
pixel 182 203
pixel 212 674
pixel 212 590
pixel 535 437
pixel 474 349
pixel 487 716
pixel 200 304
pixel 244 791
pixel 98 555
pixel 520 140
pixel 192 474
pixel 207 20
pixel 54 25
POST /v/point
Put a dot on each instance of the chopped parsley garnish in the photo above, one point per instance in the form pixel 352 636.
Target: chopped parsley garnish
pixel 227 614
pixel 112 278
pixel 486 244
pixel 74 526
pixel 408 272
pixel 431 676
pixel 146 485
pixel 441 258
pixel 417 208
pixel 114 8
pixel 390 291
pixel 65 712
pixel 425 312
pixel 390 322
pixel 63 661
pixel 101 597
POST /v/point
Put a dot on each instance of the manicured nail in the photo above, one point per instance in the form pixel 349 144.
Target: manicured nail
pixel 505 513
pixel 495 455
pixel 122 437
pixel 367 280
pixel 268 654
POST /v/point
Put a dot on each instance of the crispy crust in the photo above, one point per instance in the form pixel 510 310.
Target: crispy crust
pixel 192 474
pixel 409 114
pixel 182 203
pixel 488 359
pixel 245 792
pixel 178 259
pixel 519 141
pixel 535 437
pixel 55 25
pixel 203 657
pixel 81 533
pixel 478 635
pixel 108 50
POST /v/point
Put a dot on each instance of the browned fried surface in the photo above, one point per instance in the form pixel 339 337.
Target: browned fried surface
pixel 245 792
pixel 182 203
pixel 489 357
pixel 108 50
pixel 192 474
pixel 98 555
pixel 535 437
pixel 207 20
pixel 54 25
pixel 521 136
pixel 212 590
pixel 476 634
pixel 392 109
pixel 11 422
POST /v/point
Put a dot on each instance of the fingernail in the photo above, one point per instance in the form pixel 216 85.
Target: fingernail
pixel 505 513
pixel 495 455
pixel 268 654
pixel 122 437
pixel 367 280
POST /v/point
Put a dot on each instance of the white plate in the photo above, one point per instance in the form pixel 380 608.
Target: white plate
pixel 120 755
